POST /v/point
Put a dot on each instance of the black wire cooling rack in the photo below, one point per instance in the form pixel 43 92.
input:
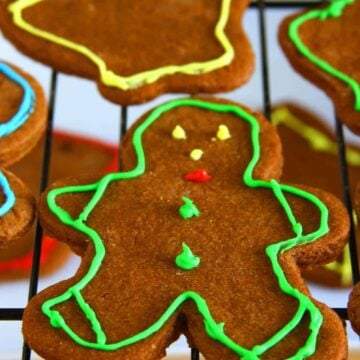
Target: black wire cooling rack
pixel 15 314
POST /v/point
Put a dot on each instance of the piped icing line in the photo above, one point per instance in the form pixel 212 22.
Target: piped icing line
pixel 334 10
pixel 27 103
pixel 9 195
pixel 214 329
pixel 107 76
pixel 315 138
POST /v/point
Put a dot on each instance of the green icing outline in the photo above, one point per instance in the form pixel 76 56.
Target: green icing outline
pixel 334 10
pixel 214 330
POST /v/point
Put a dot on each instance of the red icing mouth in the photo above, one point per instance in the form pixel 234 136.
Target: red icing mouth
pixel 200 175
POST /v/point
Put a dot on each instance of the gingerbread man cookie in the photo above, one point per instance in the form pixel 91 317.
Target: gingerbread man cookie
pixel 22 122
pixel 136 50
pixel 311 158
pixel 322 44
pixel 204 245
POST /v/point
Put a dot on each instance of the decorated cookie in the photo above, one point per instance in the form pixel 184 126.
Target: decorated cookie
pixel 22 113
pixel 311 158
pixel 322 44
pixel 136 50
pixel 22 122
pixel 71 155
pixel 206 247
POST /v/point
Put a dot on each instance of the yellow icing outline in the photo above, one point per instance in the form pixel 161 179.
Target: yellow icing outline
pixel 316 139
pixel 107 76
pixel 320 142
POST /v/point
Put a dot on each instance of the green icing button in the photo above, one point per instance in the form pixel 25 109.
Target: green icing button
pixel 187 260
pixel 188 209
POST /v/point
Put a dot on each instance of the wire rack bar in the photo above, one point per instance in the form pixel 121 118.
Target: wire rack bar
pixel 43 184
pixel 11 314
pixel 122 131
pixel 194 355
pixel 342 312
pixel 34 278
pixel 123 121
pixel 264 59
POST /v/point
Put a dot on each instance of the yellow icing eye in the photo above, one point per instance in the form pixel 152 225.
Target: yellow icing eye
pixel 178 133
pixel 196 154
pixel 223 133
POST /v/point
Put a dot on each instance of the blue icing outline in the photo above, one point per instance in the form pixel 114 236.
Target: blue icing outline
pixel 27 104
pixel 9 196
pixel 7 128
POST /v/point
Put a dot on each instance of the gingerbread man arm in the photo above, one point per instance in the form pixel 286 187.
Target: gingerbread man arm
pixel 329 246
pixel 71 206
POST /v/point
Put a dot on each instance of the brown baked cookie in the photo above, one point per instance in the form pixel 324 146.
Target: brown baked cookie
pixel 195 236
pixel 71 155
pixel 311 158
pixel 22 113
pixel 322 45
pixel 136 50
